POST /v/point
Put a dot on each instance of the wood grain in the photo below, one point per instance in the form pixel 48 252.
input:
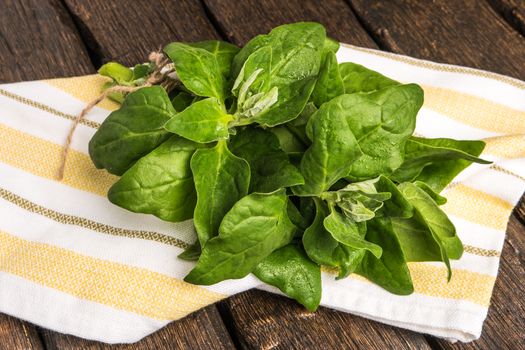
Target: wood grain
pixel 127 31
pixel 463 32
pixel 513 11
pixel 266 321
pixel 16 334
pixel 241 20
pixel 201 330
pixel 38 40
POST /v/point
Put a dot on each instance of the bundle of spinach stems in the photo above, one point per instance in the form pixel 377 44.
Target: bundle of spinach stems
pixel 287 161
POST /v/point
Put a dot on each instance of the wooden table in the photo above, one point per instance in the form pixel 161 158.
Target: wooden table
pixel 54 38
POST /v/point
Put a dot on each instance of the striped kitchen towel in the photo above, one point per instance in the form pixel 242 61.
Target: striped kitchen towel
pixel 73 262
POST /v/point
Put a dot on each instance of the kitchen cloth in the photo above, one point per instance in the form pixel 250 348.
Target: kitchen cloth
pixel 73 262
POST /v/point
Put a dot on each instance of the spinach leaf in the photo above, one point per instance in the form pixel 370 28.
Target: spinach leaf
pixel 256 225
pixel 330 45
pixel 334 148
pixel 329 82
pixel 132 131
pixel 181 101
pixel 297 127
pixel 198 69
pixel 427 212
pixel 397 205
pixel 224 53
pixel 269 165
pixel 159 183
pixel 382 122
pixel 357 78
pixel 358 201
pixel 122 75
pixel 323 249
pixel 350 233
pixel 221 179
pixel 292 57
pixel 436 197
pixel 203 121
pixel 437 161
pixel 390 271
pixel 191 253
pixel 290 270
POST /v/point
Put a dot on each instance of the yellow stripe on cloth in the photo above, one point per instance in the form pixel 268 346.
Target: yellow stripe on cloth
pixel 119 286
pixel 464 285
pixel 85 88
pixel 510 147
pixel 477 207
pixel 42 158
pixel 475 111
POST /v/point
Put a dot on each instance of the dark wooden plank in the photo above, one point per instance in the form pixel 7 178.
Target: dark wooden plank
pixel 201 330
pixel 513 11
pixel 16 334
pixel 266 321
pixel 461 32
pixel 126 31
pixel 38 40
pixel 505 324
pixel 242 20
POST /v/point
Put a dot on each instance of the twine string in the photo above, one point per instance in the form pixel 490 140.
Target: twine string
pixel 156 77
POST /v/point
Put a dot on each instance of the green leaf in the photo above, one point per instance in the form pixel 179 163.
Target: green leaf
pixel 391 270
pixel 290 270
pixel 256 226
pixel 181 101
pixel 203 121
pixel 295 59
pixel 160 183
pixel 132 131
pixel 331 45
pixel 224 53
pixel 192 253
pixel 358 201
pixel 221 179
pixel 334 148
pixel 349 232
pixel 329 83
pixel 382 122
pixel 437 162
pixel 427 212
pixel 357 78
pixel 436 197
pixel 297 127
pixel 269 165
pixel 119 73
pixel 323 249
pixel 198 69
pixel 397 205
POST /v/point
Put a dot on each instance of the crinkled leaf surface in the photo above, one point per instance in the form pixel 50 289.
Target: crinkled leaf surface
pixel 256 226
pixel 334 148
pixel 382 122
pixel 160 183
pixel 269 165
pixel 290 270
pixel 198 69
pixel 223 51
pixel 132 131
pixel 295 51
pixel 221 179
pixel 329 83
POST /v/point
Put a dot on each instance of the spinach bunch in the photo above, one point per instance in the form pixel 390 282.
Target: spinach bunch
pixel 286 160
